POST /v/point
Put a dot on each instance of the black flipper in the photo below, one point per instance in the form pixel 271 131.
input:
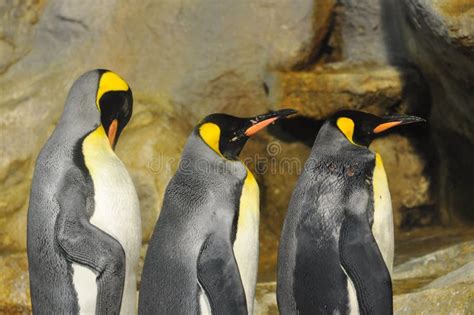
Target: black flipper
pixel 364 264
pixel 85 244
pixel 219 276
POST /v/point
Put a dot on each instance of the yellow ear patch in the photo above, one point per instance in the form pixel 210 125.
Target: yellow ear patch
pixel 110 81
pixel 211 134
pixel 346 125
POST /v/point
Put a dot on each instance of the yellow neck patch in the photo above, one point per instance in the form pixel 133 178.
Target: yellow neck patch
pixel 378 160
pixel 110 81
pixel 249 208
pixel 96 148
pixel 346 125
pixel 211 134
pixel 250 179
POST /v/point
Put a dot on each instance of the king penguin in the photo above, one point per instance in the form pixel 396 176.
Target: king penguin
pixel 203 255
pixel 336 247
pixel 84 229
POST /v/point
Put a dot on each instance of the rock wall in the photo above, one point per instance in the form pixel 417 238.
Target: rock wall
pixel 439 38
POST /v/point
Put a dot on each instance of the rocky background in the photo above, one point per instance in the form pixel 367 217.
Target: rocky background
pixel 186 59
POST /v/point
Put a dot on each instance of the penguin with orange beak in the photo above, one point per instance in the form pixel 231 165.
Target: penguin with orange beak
pixel 336 247
pixel 203 255
pixel 84 229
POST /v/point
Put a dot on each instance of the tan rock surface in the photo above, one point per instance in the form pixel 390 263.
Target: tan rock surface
pixel 464 274
pixel 454 299
pixel 265 299
pixel 452 293
pixel 14 286
pixel 438 37
pixel 324 90
pixel 437 263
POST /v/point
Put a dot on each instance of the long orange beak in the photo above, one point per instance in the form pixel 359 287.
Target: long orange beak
pixel 262 121
pixel 392 121
pixel 259 126
pixel 385 126
pixel 112 132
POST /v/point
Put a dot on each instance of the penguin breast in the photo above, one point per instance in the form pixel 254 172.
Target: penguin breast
pixel 382 228
pixel 116 208
pixel 246 241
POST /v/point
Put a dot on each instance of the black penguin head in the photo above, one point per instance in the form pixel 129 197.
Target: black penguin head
pixel 114 101
pixel 227 134
pixel 361 128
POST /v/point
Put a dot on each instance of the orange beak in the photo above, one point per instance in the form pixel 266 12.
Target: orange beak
pixel 382 127
pixel 262 121
pixel 392 121
pixel 112 132
pixel 259 126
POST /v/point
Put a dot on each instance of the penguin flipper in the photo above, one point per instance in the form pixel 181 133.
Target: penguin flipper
pixel 219 275
pixel 85 244
pixel 364 264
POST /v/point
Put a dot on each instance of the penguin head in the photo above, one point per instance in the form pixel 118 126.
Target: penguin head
pixel 227 135
pixel 115 103
pixel 361 128
pixel 99 98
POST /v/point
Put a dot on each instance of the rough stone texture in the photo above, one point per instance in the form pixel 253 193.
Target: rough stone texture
pixel 325 89
pixel 16 22
pixel 453 299
pixel 437 263
pixel 463 274
pixel 265 297
pixel 14 286
pixel 323 17
pixel 361 32
pixel 452 293
pixel 439 38
pixel 422 241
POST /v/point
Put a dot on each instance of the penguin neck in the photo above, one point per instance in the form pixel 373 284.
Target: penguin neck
pixel 198 155
pixel 74 126
pixel 96 148
pixel 330 140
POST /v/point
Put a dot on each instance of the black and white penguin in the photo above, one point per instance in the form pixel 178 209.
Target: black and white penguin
pixel 203 255
pixel 84 229
pixel 336 247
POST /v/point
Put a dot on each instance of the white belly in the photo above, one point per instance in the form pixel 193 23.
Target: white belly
pixel 117 213
pixel 353 303
pixel 246 242
pixel 204 304
pixel 382 228
pixel 86 288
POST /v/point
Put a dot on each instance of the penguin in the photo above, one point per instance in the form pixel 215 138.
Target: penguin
pixel 336 248
pixel 203 255
pixel 84 229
